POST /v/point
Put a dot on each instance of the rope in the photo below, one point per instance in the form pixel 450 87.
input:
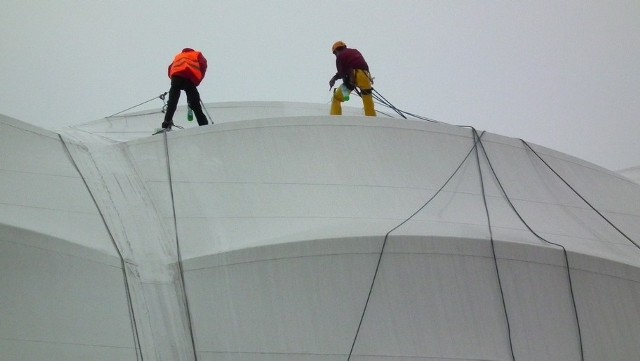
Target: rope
pixel 206 111
pixel 143 114
pixel 383 101
pixel 564 250
pixel 384 244
pixel 161 97
pixel 581 197
pixel 493 246
pixel 134 325
pixel 383 113
pixel 175 225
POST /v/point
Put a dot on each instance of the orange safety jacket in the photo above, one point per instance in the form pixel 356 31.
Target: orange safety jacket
pixel 189 64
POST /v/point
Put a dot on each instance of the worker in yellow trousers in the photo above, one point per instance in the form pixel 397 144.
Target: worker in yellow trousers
pixel 354 72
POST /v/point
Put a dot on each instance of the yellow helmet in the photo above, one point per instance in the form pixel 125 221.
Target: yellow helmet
pixel 337 45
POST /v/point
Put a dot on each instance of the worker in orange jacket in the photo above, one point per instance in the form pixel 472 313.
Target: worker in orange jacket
pixel 354 72
pixel 186 72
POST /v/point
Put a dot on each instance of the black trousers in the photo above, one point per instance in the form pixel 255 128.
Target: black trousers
pixel 193 99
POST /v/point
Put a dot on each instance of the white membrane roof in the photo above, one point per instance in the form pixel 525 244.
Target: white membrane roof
pixel 282 233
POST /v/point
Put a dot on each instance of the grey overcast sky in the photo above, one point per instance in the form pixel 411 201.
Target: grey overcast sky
pixel 560 73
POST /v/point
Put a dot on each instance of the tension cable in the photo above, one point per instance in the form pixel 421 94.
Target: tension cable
pixel 161 97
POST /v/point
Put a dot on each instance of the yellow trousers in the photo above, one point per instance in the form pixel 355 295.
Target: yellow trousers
pixel 363 82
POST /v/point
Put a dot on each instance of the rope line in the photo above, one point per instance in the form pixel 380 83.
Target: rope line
pixel 383 113
pixel 493 245
pixel 383 100
pixel 384 243
pixel 161 97
pixel 134 325
pixel 175 225
pixel 579 195
pixel 139 114
pixel 564 250
pixel 206 111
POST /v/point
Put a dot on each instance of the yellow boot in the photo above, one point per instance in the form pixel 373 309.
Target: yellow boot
pixel 367 101
pixel 363 81
pixel 336 102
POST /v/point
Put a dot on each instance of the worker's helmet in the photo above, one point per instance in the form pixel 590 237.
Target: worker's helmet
pixel 338 45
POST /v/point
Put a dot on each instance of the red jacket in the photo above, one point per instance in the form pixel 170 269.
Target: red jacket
pixel 348 60
pixel 189 64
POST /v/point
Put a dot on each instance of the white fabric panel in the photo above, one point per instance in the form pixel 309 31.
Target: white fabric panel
pixel 632 173
pixel 299 305
pixel 149 252
pixel 541 314
pixel 610 316
pixel 435 306
pixel 296 168
pixel 59 307
pixel 40 190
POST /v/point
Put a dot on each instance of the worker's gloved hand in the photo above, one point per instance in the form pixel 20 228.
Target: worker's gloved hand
pixel 332 82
